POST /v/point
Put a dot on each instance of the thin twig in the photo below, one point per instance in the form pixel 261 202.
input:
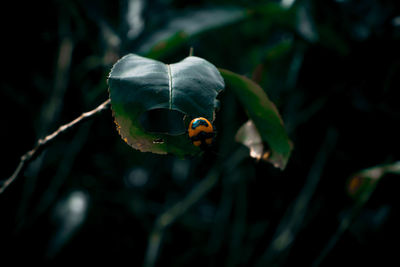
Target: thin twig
pixel 42 143
pixel 50 112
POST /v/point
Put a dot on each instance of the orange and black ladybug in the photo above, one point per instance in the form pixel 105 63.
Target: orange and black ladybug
pixel 201 132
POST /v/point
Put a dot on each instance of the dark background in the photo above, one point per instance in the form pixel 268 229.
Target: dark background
pixel 331 67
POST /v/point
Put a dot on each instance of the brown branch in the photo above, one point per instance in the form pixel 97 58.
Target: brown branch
pixel 42 143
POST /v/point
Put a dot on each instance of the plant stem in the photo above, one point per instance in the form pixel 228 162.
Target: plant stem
pixel 43 142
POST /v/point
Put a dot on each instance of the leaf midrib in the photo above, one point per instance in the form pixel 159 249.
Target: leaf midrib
pixel 169 85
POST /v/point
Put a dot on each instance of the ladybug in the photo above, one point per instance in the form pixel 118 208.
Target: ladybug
pixel 201 132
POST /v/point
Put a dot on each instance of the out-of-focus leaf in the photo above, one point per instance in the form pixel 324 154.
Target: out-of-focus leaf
pixel 296 18
pixel 264 115
pixel 279 50
pixel 332 39
pixel 362 184
pixel 276 13
pixel 134 19
pixel 305 24
pixel 69 214
pixel 277 67
pixel 139 85
pixel 186 25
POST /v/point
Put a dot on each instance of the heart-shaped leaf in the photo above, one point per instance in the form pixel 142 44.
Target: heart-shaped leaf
pixel 138 85
pixel 265 117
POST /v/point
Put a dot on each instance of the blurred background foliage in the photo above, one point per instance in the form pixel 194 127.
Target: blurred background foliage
pixel 332 68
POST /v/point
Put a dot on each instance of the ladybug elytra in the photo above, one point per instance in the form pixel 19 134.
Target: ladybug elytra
pixel 201 132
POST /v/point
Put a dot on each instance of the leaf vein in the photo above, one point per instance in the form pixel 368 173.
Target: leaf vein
pixel 170 85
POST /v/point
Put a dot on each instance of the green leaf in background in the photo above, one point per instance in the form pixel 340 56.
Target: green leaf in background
pixel 361 185
pixel 139 85
pixel 264 115
pixel 187 24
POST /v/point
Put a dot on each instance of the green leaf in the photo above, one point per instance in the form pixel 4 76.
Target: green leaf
pixel 139 85
pixel 264 115
pixel 361 184
pixel 187 24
